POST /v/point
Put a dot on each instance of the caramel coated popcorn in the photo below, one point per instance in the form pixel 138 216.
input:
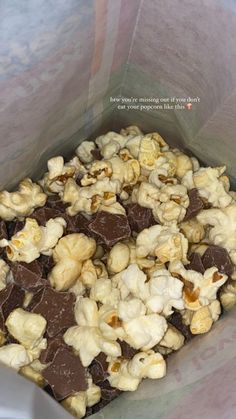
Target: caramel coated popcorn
pixel 111 262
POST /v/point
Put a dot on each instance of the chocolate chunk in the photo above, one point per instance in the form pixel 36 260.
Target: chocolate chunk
pixel 195 204
pixel 11 297
pixel 219 257
pixel 98 368
pixel 13 227
pixel 111 228
pixel 57 308
pixel 196 263
pixel 55 203
pixel 46 263
pixel 127 351
pixel 3 230
pixel 139 217
pixel 28 275
pixel 108 394
pixel 42 215
pixel 96 154
pixel 53 344
pixel 176 320
pixel 66 375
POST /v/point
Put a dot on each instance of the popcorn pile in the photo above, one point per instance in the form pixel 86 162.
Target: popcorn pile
pixel 111 262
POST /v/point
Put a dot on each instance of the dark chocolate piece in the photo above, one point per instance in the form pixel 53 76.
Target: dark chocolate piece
pixel 42 215
pixel 195 204
pixel 57 308
pixel 65 375
pixel 98 368
pixel 3 230
pixel 176 320
pixel 111 228
pixel 11 297
pixel 96 154
pixel 55 203
pixel 196 263
pixel 126 350
pixel 219 257
pixel 139 217
pixel 53 344
pixel 13 227
pixel 28 275
pixel 46 263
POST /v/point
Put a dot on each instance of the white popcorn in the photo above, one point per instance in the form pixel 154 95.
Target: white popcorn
pixel 83 151
pixel 22 202
pixel 184 163
pixel 223 231
pixel 228 295
pixel 97 171
pixel 27 328
pixel 160 175
pixel 126 172
pixel 103 292
pixel 4 270
pixel 135 281
pixel 76 404
pixel 14 356
pixel 199 289
pixel 150 149
pixel 174 201
pixel 114 208
pixel 167 243
pixel 131 130
pixel 195 164
pixel 86 312
pixel 89 198
pixel 173 339
pixel 165 293
pixel 147 195
pixel 78 289
pixel 201 321
pixel 211 187
pixel 110 324
pixel 215 309
pixel 35 352
pixel 110 144
pixel 89 342
pixel 118 258
pixel 93 394
pixel 193 230
pixel 27 244
pixel 131 309
pixel 88 275
pixel 69 254
pixel 126 375
pixel 100 269
pixel 146 331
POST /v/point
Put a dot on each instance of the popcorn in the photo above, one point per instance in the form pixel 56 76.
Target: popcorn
pixel 89 198
pixel 114 208
pixel 86 312
pixel 135 281
pixel 98 170
pixel 110 144
pixel 28 243
pixel 77 403
pixel 147 195
pixel 167 243
pixel 199 290
pixel 165 293
pixel 83 151
pixel 2 338
pixel 174 201
pixel 150 149
pixel 23 202
pixel 131 309
pixel 14 356
pixel 173 339
pixel 228 295
pixel 131 130
pixel 167 161
pixel 89 342
pixel 193 230
pixel 69 254
pixel 118 258
pixel 103 292
pixel 126 172
pixel 109 323
pixel 211 187
pixel 215 309
pixel 88 275
pixel 223 231
pixel 28 372
pixel 4 270
pixel 27 328
pixel 57 175
pixel 145 332
pixel 201 321
pixel 184 163
pixel 126 375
